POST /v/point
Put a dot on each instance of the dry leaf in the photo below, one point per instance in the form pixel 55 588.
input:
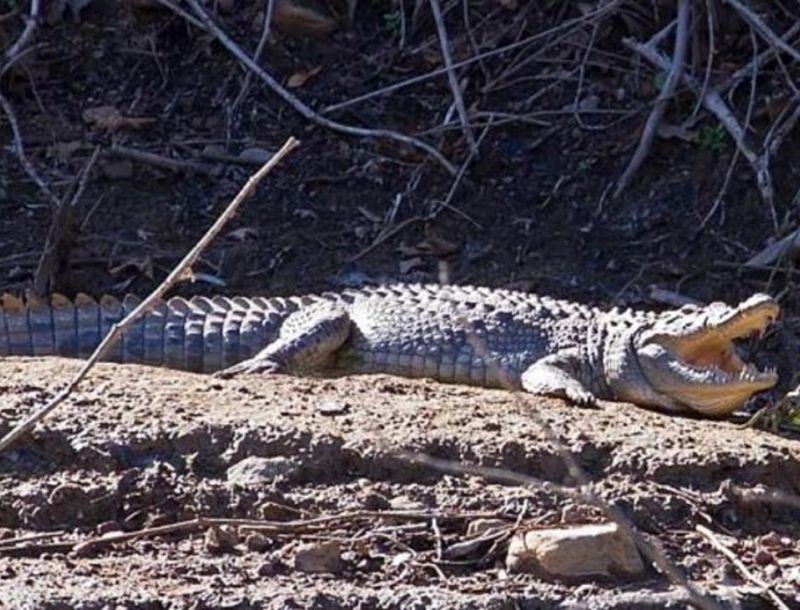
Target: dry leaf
pixel 63 151
pixel 110 118
pixel 293 19
pixel 300 78
pixel 409 264
pixel 243 234
pixel 256 154
pixel 370 215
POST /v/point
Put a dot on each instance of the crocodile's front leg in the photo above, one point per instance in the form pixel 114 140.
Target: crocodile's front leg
pixel 557 375
pixel 308 339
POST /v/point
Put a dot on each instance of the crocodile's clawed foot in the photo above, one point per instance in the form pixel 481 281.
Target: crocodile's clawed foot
pixel 582 398
pixel 254 365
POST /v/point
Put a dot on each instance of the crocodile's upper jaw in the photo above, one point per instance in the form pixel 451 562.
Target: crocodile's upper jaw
pixel 689 355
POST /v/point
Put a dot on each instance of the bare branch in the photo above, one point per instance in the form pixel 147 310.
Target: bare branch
pixel 761 28
pixel 610 6
pixel 181 271
pixel 452 78
pixel 226 41
pixel 714 103
pixel 19 149
pixel 15 49
pixel 657 113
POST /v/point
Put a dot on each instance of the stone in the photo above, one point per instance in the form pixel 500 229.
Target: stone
pixel 574 553
pixel 477 527
pixel 255 471
pixel 319 557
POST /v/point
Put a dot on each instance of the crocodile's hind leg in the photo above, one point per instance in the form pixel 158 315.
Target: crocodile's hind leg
pixel 557 375
pixel 307 341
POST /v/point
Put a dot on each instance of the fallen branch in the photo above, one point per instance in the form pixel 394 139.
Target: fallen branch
pixel 210 26
pixel 666 94
pixel 30 545
pixel 181 271
pixel 266 27
pixel 583 492
pixel 173 165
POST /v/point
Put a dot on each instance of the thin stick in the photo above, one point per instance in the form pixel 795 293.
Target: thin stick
pixel 452 79
pixel 757 23
pixel 173 165
pixel 59 231
pixel 269 11
pixel 735 158
pixel 19 149
pixel 766 54
pixel 33 20
pixel 666 94
pixel 471 60
pixel 299 106
pixel 737 563
pixel 713 102
pixel 180 272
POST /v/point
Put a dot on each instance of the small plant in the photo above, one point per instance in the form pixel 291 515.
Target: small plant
pixel 392 21
pixel 711 138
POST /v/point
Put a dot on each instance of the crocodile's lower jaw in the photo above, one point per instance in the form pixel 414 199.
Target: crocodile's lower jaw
pixel 716 400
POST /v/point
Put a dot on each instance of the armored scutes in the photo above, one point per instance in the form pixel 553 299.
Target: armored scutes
pixel 680 360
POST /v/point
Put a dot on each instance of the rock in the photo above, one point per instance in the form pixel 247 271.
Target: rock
pixel 477 527
pixel 261 471
pixel 255 154
pixel 256 541
pixel 117 170
pixel 318 557
pixel 221 539
pixel 569 553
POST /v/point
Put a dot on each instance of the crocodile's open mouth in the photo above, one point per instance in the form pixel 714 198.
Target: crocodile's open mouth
pixel 699 366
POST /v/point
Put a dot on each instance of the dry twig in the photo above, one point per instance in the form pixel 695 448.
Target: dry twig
pixel 210 26
pixel 566 25
pixel 266 27
pixel 714 103
pixel 666 94
pixel 173 165
pixel 13 52
pixel 757 23
pixel 452 79
pixel 19 149
pixel 735 157
pixel 60 232
pixel 181 271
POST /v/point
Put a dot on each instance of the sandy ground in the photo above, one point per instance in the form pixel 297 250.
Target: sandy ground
pixel 141 447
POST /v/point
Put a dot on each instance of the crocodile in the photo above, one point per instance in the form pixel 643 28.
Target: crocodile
pixel 682 360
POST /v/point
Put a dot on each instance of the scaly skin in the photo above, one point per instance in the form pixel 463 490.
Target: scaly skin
pixel 681 360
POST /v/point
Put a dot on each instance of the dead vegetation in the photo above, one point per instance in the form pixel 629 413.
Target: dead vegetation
pixel 438 135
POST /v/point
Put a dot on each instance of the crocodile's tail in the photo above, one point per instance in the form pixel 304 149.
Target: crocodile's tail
pixel 198 334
